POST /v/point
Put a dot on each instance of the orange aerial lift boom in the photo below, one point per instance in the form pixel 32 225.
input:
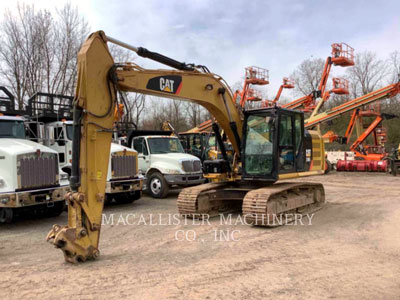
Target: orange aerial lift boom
pixel 342 55
pixel 254 76
pixel 385 92
pixel 369 152
pixel 287 84
pixel 357 145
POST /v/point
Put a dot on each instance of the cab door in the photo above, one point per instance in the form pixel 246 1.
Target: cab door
pixel 139 144
pixel 290 142
pixel 57 142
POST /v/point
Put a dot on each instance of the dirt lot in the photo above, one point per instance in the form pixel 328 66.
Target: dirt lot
pixel 351 250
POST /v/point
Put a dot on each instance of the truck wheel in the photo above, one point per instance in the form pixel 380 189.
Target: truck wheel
pixel 157 185
pixel 126 198
pixel 6 215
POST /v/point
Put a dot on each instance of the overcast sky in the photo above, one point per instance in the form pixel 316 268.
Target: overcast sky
pixel 227 36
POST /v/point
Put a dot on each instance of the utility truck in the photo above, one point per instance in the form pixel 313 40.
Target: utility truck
pixel 164 162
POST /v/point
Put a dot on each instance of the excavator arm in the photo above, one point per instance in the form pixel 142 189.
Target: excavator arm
pixel 94 107
pixel 99 81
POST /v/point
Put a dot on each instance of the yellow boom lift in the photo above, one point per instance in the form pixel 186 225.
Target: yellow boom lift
pixel 269 144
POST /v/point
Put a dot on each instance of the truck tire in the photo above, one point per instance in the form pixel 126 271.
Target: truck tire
pixel 157 185
pixel 126 198
pixel 6 215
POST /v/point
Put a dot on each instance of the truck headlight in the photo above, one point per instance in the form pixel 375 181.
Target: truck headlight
pixel 172 171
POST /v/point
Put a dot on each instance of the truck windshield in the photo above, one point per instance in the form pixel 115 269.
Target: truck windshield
pixel 70 132
pixel 164 145
pixel 12 129
pixel 259 145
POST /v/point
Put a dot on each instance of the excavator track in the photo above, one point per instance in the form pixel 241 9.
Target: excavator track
pixel 208 198
pixel 263 206
pixel 266 206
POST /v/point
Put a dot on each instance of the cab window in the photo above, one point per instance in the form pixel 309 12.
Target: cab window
pixel 298 132
pixel 140 146
pixel 286 143
pixel 58 133
pixel 259 145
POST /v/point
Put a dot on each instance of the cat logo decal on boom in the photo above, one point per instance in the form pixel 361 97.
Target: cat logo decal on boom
pixel 168 84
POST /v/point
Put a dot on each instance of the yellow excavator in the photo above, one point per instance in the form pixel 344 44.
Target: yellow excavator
pixel 269 144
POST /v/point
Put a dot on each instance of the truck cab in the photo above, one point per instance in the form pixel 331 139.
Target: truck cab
pixel 165 164
pixel 30 177
pixel 124 184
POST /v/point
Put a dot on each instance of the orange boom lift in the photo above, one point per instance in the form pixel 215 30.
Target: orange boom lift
pixel 287 84
pixel 342 55
pixel 253 76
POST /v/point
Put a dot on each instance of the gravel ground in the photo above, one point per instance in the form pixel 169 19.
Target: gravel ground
pixel 351 250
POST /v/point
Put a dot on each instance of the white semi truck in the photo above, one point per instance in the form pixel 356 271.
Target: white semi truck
pixel 124 183
pixel 30 177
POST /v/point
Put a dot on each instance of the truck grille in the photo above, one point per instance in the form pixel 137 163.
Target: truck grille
pixel 191 165
pixel 37 172
pixel 123 166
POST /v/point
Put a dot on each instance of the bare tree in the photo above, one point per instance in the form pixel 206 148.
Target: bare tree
pixel 136 106
pixel 195 114
pixel 395 63
pixel 367 74
pixel 308 75
pixel 71 30
pixel 38 51
pixel 16 51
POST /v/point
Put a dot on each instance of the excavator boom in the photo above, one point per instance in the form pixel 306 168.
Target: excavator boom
pixel 206 89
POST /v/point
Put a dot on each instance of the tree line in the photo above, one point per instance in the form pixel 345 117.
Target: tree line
pixel 38 53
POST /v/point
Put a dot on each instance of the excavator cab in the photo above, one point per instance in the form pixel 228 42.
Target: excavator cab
pixel 273 143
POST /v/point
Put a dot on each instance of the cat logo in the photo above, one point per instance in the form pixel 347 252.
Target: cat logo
pixel 168 84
